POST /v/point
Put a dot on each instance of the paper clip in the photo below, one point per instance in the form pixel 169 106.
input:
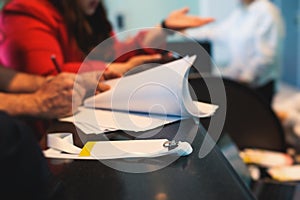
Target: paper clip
pixel 170 144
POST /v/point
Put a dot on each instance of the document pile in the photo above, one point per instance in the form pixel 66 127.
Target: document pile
pixel 142 101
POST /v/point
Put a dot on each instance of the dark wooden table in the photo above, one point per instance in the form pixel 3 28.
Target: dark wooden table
pixel 189 177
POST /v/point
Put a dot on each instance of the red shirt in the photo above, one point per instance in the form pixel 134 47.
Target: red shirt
pixel 33 30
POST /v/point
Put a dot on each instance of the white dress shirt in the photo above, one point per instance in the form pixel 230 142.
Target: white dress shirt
pixel 253 37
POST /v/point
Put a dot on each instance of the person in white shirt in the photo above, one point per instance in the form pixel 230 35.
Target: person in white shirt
pixel 253 37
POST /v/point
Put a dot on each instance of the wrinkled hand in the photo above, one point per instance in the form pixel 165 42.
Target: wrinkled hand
pixel 135 61
pixel 179 20
pixel 57 98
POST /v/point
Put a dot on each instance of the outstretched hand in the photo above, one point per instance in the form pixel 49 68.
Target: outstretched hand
pixel 179 20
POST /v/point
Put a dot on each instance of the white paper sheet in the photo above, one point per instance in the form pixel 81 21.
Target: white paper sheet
pixel 52 153
pixel 61 146
pixel 161 90
pixel 62 142
pixel 96 121
pixel 142 101
pixel 134 149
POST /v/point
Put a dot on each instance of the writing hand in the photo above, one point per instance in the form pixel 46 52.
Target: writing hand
pixel 57 97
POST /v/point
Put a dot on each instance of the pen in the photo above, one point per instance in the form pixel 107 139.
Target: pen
pixel 57 67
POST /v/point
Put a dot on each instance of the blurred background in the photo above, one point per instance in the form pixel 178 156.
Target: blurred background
pixel 134 14
pixel 139 14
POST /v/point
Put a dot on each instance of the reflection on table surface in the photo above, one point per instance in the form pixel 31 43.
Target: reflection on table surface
pixel 168 177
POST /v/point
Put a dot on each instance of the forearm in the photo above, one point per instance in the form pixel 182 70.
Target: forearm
pixel 12 81
pixel 146 40
pixel 155 37
pixel 19 104
pixel 26 83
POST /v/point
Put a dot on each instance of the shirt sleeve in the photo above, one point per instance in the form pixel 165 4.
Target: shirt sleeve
pixel 29 42
pixel 267 36
pixel 215 32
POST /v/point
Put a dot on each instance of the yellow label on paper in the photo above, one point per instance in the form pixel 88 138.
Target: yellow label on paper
pixel 86 150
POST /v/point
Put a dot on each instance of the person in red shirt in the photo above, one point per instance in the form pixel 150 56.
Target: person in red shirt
pixel 31 31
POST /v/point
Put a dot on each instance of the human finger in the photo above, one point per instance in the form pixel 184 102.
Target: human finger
pixel 102 87
pixel 184 10
pixel 108 74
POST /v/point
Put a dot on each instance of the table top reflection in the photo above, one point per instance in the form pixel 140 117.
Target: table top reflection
pixel 162 178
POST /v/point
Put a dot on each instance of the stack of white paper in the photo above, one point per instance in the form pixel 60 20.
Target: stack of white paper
pixel 95 121
pixel 143 101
